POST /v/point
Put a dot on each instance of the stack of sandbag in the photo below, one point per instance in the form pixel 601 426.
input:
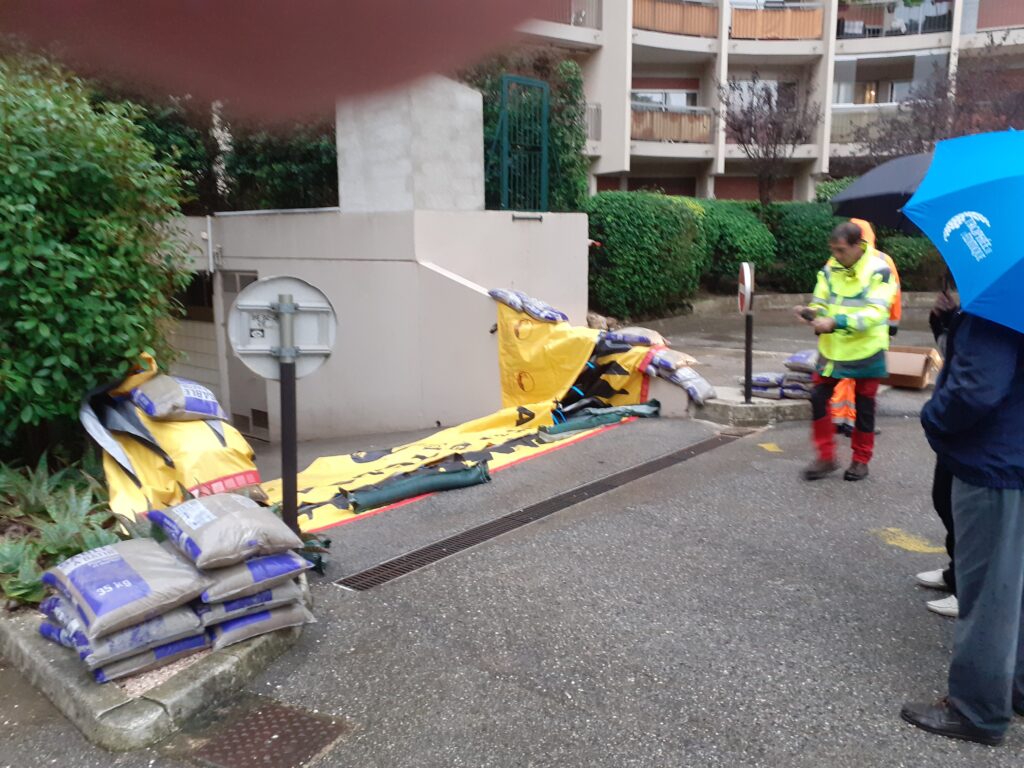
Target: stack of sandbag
pixel 123 608
pixel 243 552
pixel 674 367
pixel 799 379
pixel 765 385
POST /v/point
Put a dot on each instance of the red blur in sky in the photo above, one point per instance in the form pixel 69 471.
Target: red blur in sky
pixel 274 59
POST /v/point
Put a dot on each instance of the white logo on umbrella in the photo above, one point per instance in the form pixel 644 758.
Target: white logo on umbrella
pixel 979 243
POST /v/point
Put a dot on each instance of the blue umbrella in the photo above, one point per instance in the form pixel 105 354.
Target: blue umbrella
pixel 971 206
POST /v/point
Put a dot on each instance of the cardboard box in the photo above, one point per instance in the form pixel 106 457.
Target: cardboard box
pixel 912 367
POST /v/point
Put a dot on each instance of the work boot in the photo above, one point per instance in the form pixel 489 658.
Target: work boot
pixel 820 468
pixel 943 719
pixel 857 471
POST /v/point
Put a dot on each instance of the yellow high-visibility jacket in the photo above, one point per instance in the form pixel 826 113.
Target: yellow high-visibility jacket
pixel 859 299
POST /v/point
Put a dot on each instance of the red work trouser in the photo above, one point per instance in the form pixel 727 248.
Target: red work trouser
pixel 824 433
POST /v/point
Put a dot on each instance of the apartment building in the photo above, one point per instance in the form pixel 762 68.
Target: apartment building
pixel 652 68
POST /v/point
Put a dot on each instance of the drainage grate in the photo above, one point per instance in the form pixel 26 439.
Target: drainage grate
pixel 412 561
pixel 272 735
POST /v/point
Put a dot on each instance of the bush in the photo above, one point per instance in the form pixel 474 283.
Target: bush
pixel 802 231
pixel 826 190
pixel 88 264
pixel 920 266
pixel 732 233
pixel 646 262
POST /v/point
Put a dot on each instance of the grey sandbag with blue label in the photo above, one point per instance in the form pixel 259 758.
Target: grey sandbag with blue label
pixel 224 529
pixel 253 576
pixel 124 584
pixel 255 624
pixel 176 624
pixel 151 659
pixel 169 398
pixel 215 613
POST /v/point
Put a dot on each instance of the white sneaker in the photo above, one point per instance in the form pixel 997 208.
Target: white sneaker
pixel 932 580
pixel 947 606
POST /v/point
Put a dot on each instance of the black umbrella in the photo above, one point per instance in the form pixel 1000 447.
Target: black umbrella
pixel 880 194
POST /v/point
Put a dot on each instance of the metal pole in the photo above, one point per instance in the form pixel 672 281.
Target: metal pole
pixel 289 435
pixel 749 359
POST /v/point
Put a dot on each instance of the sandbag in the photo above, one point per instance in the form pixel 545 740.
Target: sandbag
pixel 540 310
pixel 170 398
pixel 508 298
pixel 124 584
pixel 792 378
pixel 796 393
pixel 805 361
pixel 695 385
pixel 174 625
pixel 671 360
pixel 255 624
pixel 151 659
pixel 767 393
pixel 224 529
pixel 215 613
pixel 763 380
pixel 252 576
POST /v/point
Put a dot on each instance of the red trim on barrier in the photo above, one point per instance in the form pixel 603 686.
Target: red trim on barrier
pixel 226 483
pixel 404 502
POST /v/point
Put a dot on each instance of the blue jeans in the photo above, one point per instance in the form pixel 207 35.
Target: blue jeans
pixel 987 672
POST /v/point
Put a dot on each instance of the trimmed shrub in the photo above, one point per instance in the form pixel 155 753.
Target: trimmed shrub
pixel 828 189
pixel 88 261
pixel 646 262
pixel 920 266
pixel 802 231
pixel 732 234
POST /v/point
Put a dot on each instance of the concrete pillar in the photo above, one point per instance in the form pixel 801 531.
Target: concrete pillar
pixel 805 181
pixel 706 182
pixel 607 77
pixel 959 12
pixel 418 148
pixel 721 78
pixel 824 75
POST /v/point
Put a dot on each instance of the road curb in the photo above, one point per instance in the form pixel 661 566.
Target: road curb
pixel 729 409
pixel 105 714
pixel 725 305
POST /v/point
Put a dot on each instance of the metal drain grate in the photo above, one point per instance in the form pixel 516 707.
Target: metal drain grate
pixel 270 736
pixel 412 561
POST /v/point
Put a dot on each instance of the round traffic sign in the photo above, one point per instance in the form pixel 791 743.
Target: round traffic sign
pixel 745 294
pixel 254 327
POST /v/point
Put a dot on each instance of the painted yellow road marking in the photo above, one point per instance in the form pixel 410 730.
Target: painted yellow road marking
pixel 770 447
pixel 897 537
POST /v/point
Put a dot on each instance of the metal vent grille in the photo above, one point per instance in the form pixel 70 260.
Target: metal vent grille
pixel 412 561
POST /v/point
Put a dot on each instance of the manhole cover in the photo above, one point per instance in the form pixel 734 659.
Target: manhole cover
pixel 270 735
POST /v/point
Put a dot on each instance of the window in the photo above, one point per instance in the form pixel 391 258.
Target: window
pixel 900 90
pixel 866 92
pixel 667 100
pixel 785 93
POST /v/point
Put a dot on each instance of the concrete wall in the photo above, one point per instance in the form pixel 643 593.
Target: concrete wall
pixel 199 361
pixel 418 148
pixel 607 75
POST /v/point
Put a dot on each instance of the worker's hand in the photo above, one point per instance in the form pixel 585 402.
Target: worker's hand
pixel 805 314
pixel 944 303
pixel 823 325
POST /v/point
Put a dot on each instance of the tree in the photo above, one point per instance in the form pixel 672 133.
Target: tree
pixel 987 95
pixel 89 261
pixel 768 121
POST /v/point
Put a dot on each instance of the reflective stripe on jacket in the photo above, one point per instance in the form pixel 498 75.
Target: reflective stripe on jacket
pixel 859 299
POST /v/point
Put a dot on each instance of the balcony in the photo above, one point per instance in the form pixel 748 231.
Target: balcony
pixel 776 20
pixel 593 122
pixel 1000 14
pixel 893 19
pixel 849 119
pixel 698 18
pixel 687 125
pixel 576 13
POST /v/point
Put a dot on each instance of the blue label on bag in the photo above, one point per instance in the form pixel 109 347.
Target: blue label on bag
pixel 180 646
pixel 241 621
pixel 246 602
pixel 175 534
pixel 273 567
pixel 104 580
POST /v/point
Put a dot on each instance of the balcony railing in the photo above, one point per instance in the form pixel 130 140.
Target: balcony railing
pixel 594 122
pixel 894 19
pixel 850 119
pixel 677 17
pixel 578 13
pixel 680 124
pixel 1000 14
pixel 776 20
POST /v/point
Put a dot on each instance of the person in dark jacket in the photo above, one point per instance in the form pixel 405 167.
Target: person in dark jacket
pixel 975 423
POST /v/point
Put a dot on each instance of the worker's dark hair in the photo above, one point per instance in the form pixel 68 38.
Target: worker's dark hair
pixel 848 233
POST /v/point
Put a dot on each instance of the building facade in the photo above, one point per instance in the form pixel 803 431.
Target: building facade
pixel 652 70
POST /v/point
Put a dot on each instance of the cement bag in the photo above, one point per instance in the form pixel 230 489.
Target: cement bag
pixel 157 657
pixel 803 362
pixel 215 613
pixel 695 385
pixel 795 378
pixel 763 380
pixel 508 298
pixel 55 633
pixel 169 398
pixel 124 584
pixel 255 624
pixel 767 393
pixel 252 576
pixel 224 529
pixel 539 310
pixel 635 336
pixel 174 625
pixel 796 393
pixel 670 360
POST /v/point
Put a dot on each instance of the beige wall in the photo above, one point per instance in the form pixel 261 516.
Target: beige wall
pixel 199 361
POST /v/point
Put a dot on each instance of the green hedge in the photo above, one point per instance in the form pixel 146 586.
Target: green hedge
pixel 920 266
pixel 826 190
pixel 802 232
pixel 646 262
pixel 733 233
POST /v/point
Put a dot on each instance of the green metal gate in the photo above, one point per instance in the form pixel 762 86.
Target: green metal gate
pixel 523 133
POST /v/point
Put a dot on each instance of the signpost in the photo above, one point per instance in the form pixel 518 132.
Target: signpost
pixel 745 299
pixel 283 328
